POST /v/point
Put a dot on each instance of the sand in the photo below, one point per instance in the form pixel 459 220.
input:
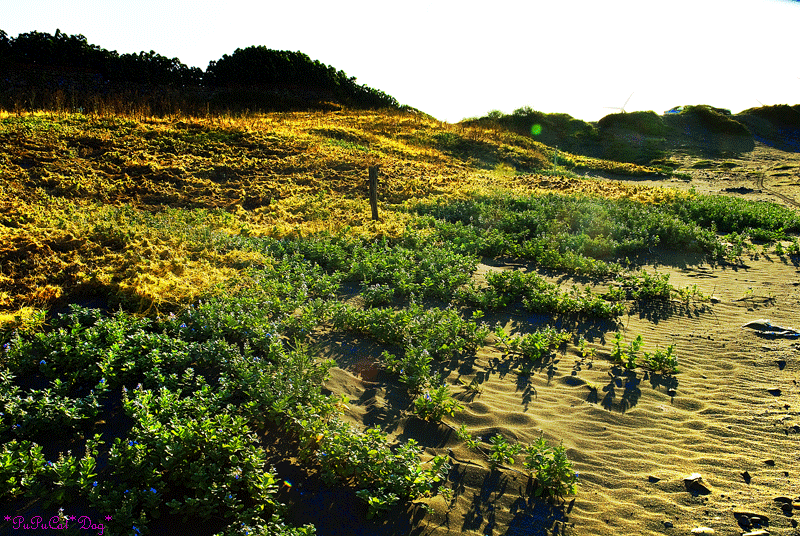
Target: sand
pixel 732 413
pixel 734 408
pixel 765 174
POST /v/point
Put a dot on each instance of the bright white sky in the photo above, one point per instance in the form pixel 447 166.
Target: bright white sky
pixel 454 59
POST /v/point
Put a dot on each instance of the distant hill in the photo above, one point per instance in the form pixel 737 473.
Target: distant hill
pixel 43 71
pixel 777 126
pixel 646 137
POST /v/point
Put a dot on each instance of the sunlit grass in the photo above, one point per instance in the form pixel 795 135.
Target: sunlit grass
pixel 84 197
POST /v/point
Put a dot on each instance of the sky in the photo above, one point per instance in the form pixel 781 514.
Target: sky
pixel 456 59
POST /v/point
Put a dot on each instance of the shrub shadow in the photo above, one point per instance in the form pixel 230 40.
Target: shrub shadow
pixel 621 379
pixel 535 518
pixel 482 508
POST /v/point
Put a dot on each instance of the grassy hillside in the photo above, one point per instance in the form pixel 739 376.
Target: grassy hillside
pixel 118 207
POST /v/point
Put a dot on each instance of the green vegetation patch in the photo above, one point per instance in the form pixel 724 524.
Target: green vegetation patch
pixel 645 123
pixel 713 120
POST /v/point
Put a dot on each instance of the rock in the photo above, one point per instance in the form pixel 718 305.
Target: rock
pixel 668 524
pixel 774 391
pixel 744 522
pixel 770 462
pixel 746 476
pixel 653 479
pixel 759 532
pixel 783 499
pixel 694 484
pixel 672 391
pixel 703 530
pixel 781 364
pixel 757 519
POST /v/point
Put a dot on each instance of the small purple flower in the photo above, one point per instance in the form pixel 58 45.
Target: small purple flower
pixel 183 325
pixel 94 484
pixel 42 362
pixel 153 490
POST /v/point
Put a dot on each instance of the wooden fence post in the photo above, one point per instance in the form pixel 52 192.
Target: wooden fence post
pixel 373 191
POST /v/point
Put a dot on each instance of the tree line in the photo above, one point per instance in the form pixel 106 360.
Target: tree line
pixel 43 71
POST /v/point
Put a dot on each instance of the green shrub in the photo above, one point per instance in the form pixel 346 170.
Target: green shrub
pixel 442 332
pixel 537 295
pixel 384 475
pixel 662 361
pixel 413 367
pixel 501 451
pixel 21 465
pixel 646 286
pixel 551 469
pixel 537 345
pixel 434 404
pixel 198 460
pixel 644 123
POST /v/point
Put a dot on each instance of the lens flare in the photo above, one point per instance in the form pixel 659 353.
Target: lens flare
pixel 536 129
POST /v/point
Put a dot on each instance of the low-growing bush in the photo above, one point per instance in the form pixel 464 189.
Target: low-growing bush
pixel 627 356
pixel 665 362
pixel 384 475
pixel 442 332
pixel 413 366
pixel 501 451
pixel 191 449
pixel 537 295
pixel 539 344
pixel 643 286
pixel 662 361
pixel 549 466
pixel 435 403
